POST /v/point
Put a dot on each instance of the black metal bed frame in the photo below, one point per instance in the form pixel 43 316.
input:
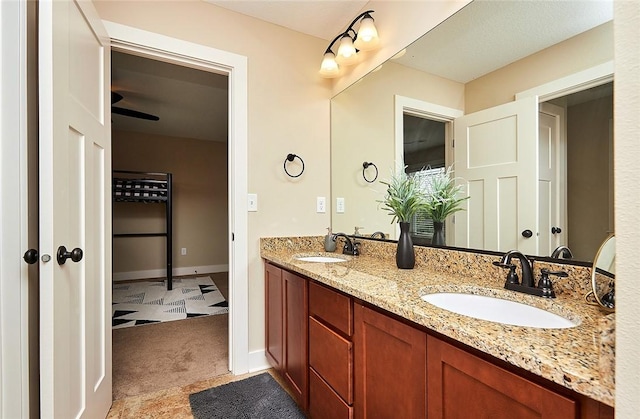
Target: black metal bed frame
pixel 147 187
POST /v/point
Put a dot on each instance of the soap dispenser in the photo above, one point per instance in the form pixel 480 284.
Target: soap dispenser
pixel 329 242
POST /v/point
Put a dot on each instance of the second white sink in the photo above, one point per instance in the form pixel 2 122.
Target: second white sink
pixel 498 310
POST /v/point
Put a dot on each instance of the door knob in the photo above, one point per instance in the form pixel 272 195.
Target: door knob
pixel 527 234
pixel 30 256
pixel 556 230
pixel 75 255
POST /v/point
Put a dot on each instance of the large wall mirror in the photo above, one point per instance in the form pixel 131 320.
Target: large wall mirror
pixel 555 59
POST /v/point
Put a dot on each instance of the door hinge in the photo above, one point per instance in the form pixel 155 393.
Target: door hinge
pixel 233 237
pixel 453 143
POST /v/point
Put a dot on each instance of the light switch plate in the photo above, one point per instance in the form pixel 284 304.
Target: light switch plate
pixel 252 203
pixel 321 204
pixel 340 205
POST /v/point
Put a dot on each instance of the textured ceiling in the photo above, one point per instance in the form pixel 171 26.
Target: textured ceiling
pixel 321 18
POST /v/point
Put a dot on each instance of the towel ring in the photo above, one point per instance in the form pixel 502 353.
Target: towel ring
pixel 365 166
pixel 291 157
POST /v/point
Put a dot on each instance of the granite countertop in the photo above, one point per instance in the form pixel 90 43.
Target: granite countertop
pixel 579 358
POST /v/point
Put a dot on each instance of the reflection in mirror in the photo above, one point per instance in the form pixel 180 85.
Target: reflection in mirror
pixel 372 120
pixel 603 275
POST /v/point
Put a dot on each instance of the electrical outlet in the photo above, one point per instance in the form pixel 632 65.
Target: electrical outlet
pixel 321 204
pixel 252 203
pixel 183 251
pixel 340 205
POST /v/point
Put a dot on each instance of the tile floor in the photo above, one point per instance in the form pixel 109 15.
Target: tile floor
pixel 171 403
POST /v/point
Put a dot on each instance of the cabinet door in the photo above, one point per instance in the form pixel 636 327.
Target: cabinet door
pixel 296 335
pixel 390 367
pixel 273 315
pixel 464 386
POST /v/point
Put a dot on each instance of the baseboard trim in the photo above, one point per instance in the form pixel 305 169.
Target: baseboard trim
pixel 258 361
pixel 160 273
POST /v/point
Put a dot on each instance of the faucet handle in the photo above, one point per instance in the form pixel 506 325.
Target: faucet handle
pixel 545 283
pixel 512 276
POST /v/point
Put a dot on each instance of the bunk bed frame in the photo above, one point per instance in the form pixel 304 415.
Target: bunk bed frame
pixel 147 187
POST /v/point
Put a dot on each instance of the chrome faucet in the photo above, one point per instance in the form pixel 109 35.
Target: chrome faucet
pixel 350 248
pixel 544 288
pixel 562 252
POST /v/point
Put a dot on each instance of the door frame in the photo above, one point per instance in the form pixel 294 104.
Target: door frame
pixel 14 279
pixel 427 110
pixel 163 48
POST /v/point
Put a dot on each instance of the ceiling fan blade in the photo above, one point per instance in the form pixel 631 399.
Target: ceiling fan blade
pixel 134 114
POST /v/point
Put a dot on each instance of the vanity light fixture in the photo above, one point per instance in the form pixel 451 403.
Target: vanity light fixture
pixel 351 42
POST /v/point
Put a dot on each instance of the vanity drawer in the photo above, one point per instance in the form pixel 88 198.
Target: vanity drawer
pixel 331 356
pixel 324 402
pixel 332 307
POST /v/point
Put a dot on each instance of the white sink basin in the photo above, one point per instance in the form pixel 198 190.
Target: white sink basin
pixel 498 310
pixel 323 259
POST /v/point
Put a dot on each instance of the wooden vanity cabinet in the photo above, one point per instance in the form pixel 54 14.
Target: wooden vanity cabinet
pixel 461 385
pixel 391 370
pixel 345 359
pixel 331 392
pixel 286 331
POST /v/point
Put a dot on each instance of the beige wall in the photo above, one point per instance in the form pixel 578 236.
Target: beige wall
pixel 363 129
pixel 627 197
pixel 571 56
pixel 200 204
pixel 589 156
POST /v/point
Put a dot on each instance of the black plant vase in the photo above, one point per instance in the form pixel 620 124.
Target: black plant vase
pixel 438 234
pixel 405 257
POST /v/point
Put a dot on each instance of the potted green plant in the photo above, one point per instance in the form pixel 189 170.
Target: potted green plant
pixel 443 198
pixel 404 198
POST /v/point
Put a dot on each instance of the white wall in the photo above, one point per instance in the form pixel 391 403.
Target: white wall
pixel 627 196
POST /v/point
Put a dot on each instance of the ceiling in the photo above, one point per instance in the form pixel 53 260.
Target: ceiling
pixel 193 103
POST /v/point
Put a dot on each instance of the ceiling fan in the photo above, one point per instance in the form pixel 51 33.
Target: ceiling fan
pixel 117 97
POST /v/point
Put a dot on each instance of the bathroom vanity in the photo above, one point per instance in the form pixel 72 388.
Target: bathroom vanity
pixel 353 338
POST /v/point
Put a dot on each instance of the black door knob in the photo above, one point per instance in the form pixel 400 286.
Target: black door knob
pixel 75 255
pixel 527 234
pixel 30 256
pixel 556 230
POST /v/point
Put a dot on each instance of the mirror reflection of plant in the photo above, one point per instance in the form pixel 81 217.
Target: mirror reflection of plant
pixel 405 196
pixel 442 194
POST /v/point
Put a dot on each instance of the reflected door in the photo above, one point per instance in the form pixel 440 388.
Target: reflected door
pixel 496 155
pixel 552 172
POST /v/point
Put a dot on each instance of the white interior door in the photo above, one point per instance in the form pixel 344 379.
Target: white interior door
pixel 552 172
pixel 75 211
pixel 496 154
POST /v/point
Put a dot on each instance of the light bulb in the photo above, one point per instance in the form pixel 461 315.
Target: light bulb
pixel 367 38
pixel 329 67
pixel 346 51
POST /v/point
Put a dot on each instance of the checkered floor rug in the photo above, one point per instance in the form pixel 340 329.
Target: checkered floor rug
pixel 139 303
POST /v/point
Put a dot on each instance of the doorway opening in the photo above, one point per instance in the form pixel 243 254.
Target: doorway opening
pixel 166 337
pixel 585 168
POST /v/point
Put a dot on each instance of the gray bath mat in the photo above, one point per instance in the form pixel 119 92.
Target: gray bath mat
pixel 259 396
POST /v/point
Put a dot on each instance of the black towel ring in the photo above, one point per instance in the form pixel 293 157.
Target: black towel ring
pixel 365 166
pixel 291 157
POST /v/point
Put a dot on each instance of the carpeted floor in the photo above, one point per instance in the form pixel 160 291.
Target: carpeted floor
pixel 159 356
